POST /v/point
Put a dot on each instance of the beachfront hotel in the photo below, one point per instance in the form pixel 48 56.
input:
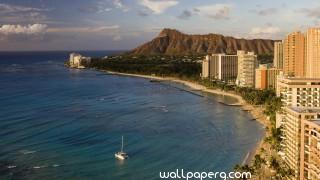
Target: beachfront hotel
pixel 78 61
pixel 220 67
pixel 239 68
pixel 266 77
pixel 278 55
pixel 299 89
pixel 310 149
pixel 294 55
pixel 299 92
pixel 301 142
pixel 291 128
pixel 299 121
pixel 247 64
pixel 205 67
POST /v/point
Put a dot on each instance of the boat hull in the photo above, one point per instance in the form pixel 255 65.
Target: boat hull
pixel 120 157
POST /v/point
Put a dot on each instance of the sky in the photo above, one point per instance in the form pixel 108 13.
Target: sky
pixel 124 24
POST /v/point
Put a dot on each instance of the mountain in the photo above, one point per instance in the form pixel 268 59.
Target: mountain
pixel 173 42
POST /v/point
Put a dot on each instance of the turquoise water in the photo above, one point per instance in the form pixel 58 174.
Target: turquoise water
pixel 59 123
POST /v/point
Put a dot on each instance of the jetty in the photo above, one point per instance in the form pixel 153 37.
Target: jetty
pixel 155 81
pixel 230 104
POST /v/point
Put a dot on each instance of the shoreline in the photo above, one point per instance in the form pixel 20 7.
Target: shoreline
pixel 255 111
pixel 192 85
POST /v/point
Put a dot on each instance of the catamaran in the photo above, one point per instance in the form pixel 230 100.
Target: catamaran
pixel 121 154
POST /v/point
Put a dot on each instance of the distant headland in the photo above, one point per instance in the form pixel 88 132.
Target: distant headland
pixel 174 42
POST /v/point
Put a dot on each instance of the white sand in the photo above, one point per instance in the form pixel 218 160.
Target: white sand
pixel 190 84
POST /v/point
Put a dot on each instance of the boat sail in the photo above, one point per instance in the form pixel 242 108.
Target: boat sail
pixel 121 155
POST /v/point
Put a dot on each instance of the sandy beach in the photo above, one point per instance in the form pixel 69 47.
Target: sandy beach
pixel 255 111
pixel 190 84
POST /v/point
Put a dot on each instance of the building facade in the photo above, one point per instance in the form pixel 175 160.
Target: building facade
pixel 247 64
pixel 299 89
pixel 205 67
pixel 301 145
pixel 301 100
pixel 266 77
pixel 220 67
pixel 278 55
pixel 310 149
pixel 272 75
pixel 313 53
pixel 78 61
pixel 291 138
pixel 299 92
pixel 294 55
pixel 261 77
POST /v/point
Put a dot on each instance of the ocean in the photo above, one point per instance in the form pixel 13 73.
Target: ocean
pixel 60 123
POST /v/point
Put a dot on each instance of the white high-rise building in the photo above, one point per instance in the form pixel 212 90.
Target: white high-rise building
pixel 78 61
pixel 220 67
pixel 247 64
pixel 299 92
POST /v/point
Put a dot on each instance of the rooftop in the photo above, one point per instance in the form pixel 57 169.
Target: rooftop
pixel 304 109
pixel 316 121
pixel 300 79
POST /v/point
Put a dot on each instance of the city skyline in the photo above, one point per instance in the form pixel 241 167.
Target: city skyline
pixel 124 24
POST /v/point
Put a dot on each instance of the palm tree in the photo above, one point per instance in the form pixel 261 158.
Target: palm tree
pixel 258 161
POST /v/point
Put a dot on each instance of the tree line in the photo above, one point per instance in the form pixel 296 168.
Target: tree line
pixel 156 66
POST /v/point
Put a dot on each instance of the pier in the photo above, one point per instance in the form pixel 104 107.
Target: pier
pixel 231 104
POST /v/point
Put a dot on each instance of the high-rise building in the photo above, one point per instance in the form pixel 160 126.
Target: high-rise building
pixel 272 75
pixel 291 138
pixel 220 67
pixel 247 63
pixel 300 143
pixel 205 67
pixel 310 149
pixel 313 53
pixel 278 55
pixel 261 77
pixel 78 61
pixel 299 92
pixel 238 68
pixel 299 89
pixel 301 100
pixel 266 77
pixel 294 55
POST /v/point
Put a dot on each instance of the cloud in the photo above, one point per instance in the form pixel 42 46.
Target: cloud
pixel 111 28
pixel 117 38
pixel 143 14
pixel 310 12
pixel 94 9
pixel 24 18
pixel 9 29
pixel 265 12
pixel 216 11
pixel 196 10
pixel 7 8
pixel 111 31
pixel 119 4
pixel 265 32
pixel 21 14
pixel 157 6
pixel 186 14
